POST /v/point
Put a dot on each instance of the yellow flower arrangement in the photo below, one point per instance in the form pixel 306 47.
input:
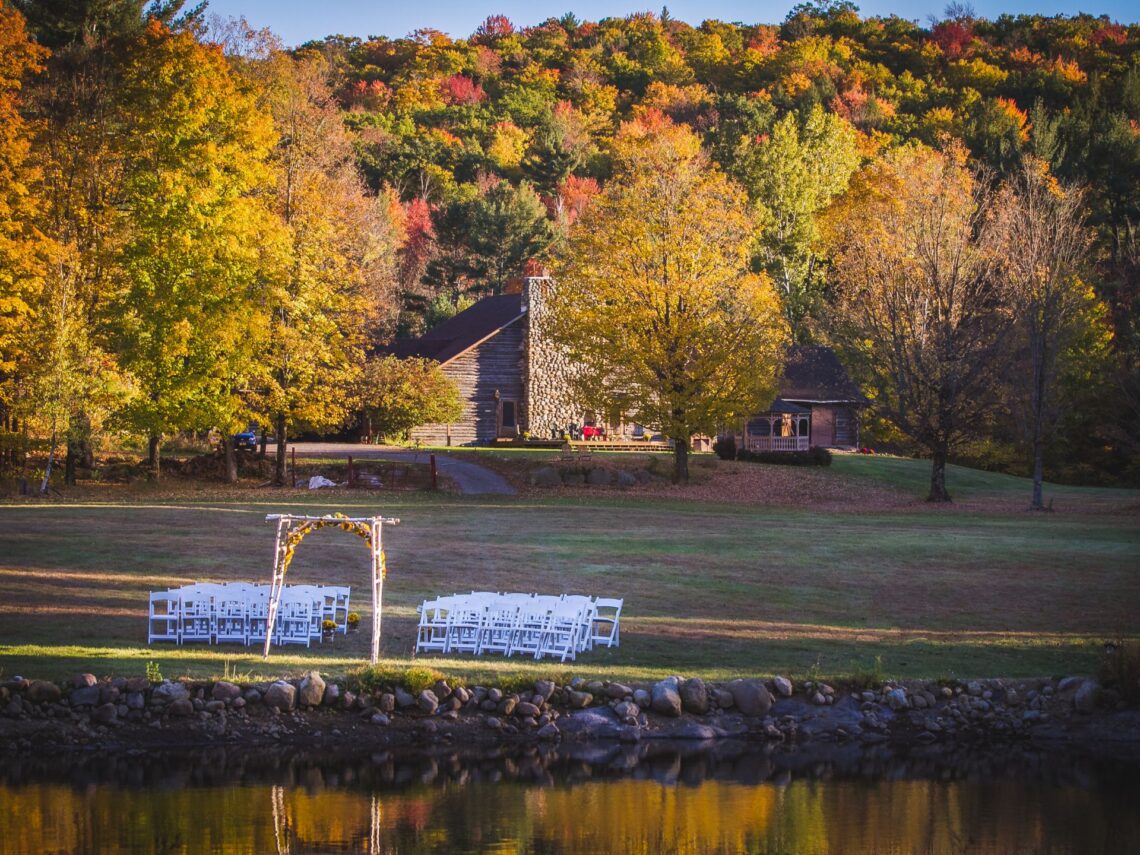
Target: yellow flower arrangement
pixel 296 535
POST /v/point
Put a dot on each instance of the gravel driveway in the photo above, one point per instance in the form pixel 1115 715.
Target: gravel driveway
pixel 470 478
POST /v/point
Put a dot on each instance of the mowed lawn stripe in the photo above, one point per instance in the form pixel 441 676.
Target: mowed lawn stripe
pixel 711 589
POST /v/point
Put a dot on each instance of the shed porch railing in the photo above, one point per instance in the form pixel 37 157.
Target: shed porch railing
pixel 778 443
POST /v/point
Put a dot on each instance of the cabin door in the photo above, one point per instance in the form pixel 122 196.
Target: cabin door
pixel 508 418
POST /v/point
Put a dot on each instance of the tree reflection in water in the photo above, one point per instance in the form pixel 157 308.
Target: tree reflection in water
pixel 649 797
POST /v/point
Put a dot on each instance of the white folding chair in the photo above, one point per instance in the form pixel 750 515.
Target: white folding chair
pixel 465 624
pixel 563 629
pixel 586 604
pixel 257 613
pixel 605 625
pixel 431 634
pixel 231 615
pixel 196 613
pixel 295 620
pixel 531 624
pixel 316 598
pixel 500 618
pixel 340 610
pixel 162 624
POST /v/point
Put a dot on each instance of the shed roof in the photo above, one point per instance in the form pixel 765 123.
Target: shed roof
pixel 462 332
pixel 813 373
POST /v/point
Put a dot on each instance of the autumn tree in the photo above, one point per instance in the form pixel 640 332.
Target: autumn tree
pixel 24 251
pixel 653 297
pixel 330 276
pixel 79 150
pixel 793 174
pixel 397 395
pixel 1042 224
pixel 919 298
pixel 195 149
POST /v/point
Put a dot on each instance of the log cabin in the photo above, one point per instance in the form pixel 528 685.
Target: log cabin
pixel 513 382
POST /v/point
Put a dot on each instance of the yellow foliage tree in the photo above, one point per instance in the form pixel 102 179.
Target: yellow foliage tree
pixel 22 247
pixel 654 300
pixel 916 255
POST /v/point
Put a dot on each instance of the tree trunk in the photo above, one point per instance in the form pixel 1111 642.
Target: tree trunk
pixel 1038 501
pixel 45 485
pixel 279 468
pixel 69 462
pixel 680 461
pixel 230 458
pixel 938 476
pixel 153 458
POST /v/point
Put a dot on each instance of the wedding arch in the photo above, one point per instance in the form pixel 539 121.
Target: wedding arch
pixel 292 529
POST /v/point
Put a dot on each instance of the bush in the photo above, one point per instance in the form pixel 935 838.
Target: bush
pixel 725 448
pixel 814 456
pixel 379 678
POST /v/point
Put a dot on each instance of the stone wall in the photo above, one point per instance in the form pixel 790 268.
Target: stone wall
pixel 548 403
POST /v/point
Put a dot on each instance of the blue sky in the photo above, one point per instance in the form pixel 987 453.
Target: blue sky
pixel 298 21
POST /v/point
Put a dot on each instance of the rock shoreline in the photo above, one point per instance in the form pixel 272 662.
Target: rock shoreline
pixel 133 713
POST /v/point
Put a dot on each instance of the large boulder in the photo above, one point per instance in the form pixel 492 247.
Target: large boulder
pixel 182 707
pixel 694 696
pixel 312 690
pixel 751 697
pixel 225 691
pixel 665 698
pixel 167 693
pixel 625 479
pixel 281 696
pixel 428 702
pixel 43 692
pixel 1086 697
pixel 783 686
pixel 82 681
pixel 88 696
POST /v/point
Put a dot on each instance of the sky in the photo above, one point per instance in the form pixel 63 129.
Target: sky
pixel 297 21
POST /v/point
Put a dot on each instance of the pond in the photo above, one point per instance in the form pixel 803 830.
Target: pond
pixel 601 798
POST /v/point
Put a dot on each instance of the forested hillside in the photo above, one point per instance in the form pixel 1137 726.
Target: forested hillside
pixel 454 163
pixel 790 111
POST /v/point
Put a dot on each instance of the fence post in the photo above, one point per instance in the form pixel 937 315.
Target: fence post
pixel 434 483
pixel 351 479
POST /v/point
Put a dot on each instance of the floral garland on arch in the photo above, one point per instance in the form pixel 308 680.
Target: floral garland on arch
pixel 296 535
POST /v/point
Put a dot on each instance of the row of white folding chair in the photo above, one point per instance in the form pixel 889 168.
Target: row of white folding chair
pixel 486 621
pixel 238 612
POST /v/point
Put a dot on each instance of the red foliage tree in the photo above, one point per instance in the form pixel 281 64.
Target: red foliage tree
pixel 494 28
pixel 952 37
pixel 459 89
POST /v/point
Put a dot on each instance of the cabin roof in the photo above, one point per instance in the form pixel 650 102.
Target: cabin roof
pixel 462 332
pixel 814 374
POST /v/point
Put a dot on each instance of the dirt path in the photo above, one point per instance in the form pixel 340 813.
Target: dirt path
pixel 470 478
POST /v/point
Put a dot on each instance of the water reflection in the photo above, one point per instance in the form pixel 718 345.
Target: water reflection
pixel 652 797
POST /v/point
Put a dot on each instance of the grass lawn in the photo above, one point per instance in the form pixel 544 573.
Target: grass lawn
pixel 713 589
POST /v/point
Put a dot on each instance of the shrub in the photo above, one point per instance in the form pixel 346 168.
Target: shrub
pixel 353 618
pixel 725 448
pixel 414 679
pixel 814 456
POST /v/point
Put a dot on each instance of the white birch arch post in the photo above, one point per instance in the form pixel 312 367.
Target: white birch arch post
pixel 291 530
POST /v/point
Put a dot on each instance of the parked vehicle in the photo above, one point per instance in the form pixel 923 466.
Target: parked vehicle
pixel 245 441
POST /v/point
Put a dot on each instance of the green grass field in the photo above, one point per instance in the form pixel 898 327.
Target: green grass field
pixel 712 589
